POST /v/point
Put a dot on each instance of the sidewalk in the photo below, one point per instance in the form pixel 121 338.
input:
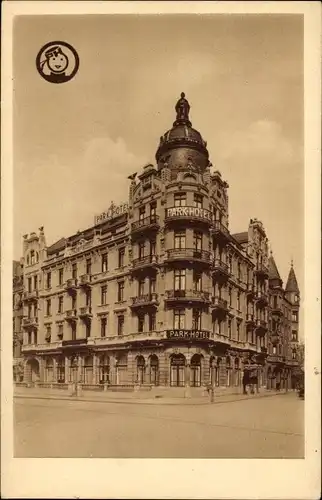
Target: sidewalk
pixel 104 398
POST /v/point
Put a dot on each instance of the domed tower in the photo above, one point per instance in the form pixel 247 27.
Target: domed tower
pixel 292 293
pixel 182 145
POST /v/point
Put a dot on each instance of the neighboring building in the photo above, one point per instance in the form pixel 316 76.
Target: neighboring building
pixel 158 291
pixel 17 288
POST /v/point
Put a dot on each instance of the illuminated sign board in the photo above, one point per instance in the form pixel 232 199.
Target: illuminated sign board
pixel 202 213
pixel 111 213
pixel 188 334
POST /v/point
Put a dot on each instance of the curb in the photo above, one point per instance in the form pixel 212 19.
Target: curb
pixel 138 402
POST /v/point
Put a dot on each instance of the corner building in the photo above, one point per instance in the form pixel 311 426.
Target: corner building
pixel 157 292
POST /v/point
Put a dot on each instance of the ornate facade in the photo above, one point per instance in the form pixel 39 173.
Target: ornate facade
pixel 159 291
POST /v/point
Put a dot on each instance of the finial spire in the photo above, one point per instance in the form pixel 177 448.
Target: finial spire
pixel 292 262
pixel 182 109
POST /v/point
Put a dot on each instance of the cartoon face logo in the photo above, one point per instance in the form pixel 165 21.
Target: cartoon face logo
pixel 57 62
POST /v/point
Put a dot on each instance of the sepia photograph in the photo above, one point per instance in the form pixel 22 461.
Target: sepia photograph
pixel 158 236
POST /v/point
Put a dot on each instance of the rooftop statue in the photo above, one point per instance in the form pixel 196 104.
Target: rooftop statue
pixel 182 108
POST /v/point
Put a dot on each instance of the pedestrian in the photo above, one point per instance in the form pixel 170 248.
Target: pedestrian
pixel 245 383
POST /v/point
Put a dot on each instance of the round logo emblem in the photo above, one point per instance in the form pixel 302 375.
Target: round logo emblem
pixel 57 62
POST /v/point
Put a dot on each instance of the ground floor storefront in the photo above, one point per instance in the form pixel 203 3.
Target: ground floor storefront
pixel 175 366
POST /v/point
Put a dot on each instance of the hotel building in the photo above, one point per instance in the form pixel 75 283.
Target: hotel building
pixel 158 291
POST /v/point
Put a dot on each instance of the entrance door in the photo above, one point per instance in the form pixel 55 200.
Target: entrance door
pixel 177 370
pixel 195 371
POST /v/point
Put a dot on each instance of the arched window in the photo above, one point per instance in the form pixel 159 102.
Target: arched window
pixel 61 370
pixel 88 370
pixel 140 370
pixel 49 370
pixel 154 370
pixel 195 370
pixel 228 372
pixel 104 369
pixel 217 372
pixel 177 370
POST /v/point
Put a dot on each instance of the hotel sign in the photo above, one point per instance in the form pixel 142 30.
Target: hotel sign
pixel 188 334
pixel 111 213
pixel 201 213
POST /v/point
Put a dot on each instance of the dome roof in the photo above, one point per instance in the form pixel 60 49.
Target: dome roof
pixel 182 134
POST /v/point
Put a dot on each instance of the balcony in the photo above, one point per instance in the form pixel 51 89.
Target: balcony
pixel 250 321
pixel 74 343
pixel 275 358
pixel 71 285
pixel 260 327
pixel 188 214
pixel 85 312
pixel 221 339
pixel 277 310
pixel 85 280
pixel 191 255
pixel 49 346
pixel 193 296
pixel 30 322
pixel 71 315
pixel 261 271
pixel 220 306
pixel 220 231
pixel 220 270
pixel 150 223
pixel 149 299
pixel 261 299
pixel 30 295
pixel 145 263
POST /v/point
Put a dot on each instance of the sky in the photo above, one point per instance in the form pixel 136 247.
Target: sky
pixel 76 143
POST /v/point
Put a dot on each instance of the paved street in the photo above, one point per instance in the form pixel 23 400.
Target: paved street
pixel 270 427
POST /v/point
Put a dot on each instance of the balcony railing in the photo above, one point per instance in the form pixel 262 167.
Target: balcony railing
pixel 145 300
pixel 220 268
pixel 250 319
pixel 149 222
pixel 85 312
pixel 85 279
pixel 261 299
pixel 74 342
pixel 146 261
pixel 30 295
pixel 190 254
pixel 71 284
pixel 261 326
pixel 71 315
pixel 30 322
pixel 188 213
pixel 187 295
pixel 261 271
pixel 220 230
pixel 275 358
pixel 220 338
pixel 277 310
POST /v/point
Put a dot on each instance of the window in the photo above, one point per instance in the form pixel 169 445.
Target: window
pixel 141 249
pixel 32 257
pixel 141 213
pixel 230 293
pixel 35 310
pixel 238 330
pixel 120 325
pixel 179 316
pixel 180 199
pixel 275 302
pixel 230 263
pixel 121 257
pixel 103 327
pixel 103 295
pixel 73 331
pixel 48 334
pixel 88 266
pixel 296 299
pixel 294 335
pixel 60 331
pixel 152 285
pixel 29 311
pixel 35 338
pixel 274 325
pixel 104 262
pixel 197 277
pixel 238 300
pixel 35 282
pixel 60 303
pixel 141 287
pixel 294 354
pixel 152 321
pixel 294 316
pixel 229 328
pixel 89 298
pixel 48 307
pixel 48 280
pixel 197 201
pixel 29 338
pixel 140 323
pixel 60 276
pixel 29 284
pixel 120 291
pixel 196 319
pixel 180 279
pixel 197 240
pixel 152 247
pixel 180 240
pixel 274 349
pixel 153 210
pixel 74 270
pixel 88 330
